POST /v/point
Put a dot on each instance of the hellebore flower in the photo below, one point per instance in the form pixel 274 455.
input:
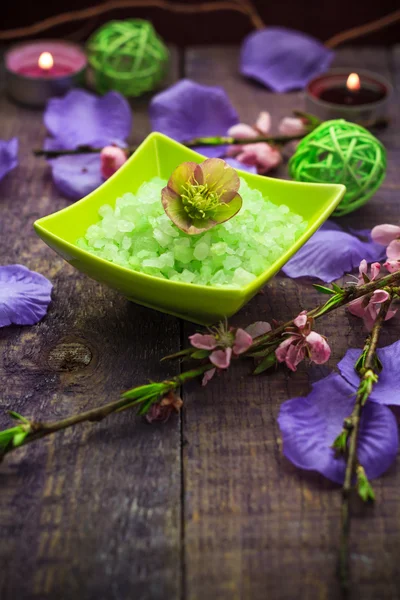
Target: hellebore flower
pixel 283 59
pixel 224 343
pixel 301 343
pixel 368 307
pixel 199 197
pixel 8 156
pixel 111 159
pixel 309 426
pixel 331 252
pixel 79 119
pixel 292 126
pixel 24 296
pixel 389 235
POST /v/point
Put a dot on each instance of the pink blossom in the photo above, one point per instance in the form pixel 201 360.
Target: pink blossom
pixel 384 234
pixel 207 376
pixel 291 126
pixel 368 307
pixel 111 159
pixel 389 235
pixel 221 358
pixel 302 343
pixel 243 341
pixel 263 123
pixel 244 131
pixel 203 341
pixel 261 155
pixel 392 265
pixel 393 250
pixel 224 344
pixel 258 328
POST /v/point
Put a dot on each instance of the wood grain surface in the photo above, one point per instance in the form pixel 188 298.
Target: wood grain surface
pixel 255 527
pixel 95 512
pixel 110 511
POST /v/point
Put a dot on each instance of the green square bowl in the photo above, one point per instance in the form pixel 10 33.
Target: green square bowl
pixel 158 155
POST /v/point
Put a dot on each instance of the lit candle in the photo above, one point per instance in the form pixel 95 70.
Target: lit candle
pixel 37 71
pixel 359 97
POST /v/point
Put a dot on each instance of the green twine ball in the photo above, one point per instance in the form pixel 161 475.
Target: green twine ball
pixel 127 56
pixel 341 152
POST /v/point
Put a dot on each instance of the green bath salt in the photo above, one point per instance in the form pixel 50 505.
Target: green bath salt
pixel 138 235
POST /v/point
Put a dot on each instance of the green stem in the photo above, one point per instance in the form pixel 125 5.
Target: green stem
pixel 348 296
pixel 152 392
pixel 200 141
pixel 368 379
pixel 127 400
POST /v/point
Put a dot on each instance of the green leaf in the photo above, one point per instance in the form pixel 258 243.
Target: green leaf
pixel 19 438
pixel 200 354
pixel 323 289
pixel 268 362
pixel 365 278
pixel 337 288
pixel 17 417
pixel 340 443
pixel 364 488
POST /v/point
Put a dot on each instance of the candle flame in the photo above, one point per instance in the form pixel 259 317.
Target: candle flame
pixel 45 61
pixel 353 82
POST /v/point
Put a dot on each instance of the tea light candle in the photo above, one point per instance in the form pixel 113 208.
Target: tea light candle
pixel 39 70
pixel 360 97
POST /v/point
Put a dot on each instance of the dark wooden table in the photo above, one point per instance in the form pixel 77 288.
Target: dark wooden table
pixel 206 506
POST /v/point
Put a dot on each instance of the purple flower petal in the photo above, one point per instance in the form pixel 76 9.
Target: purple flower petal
pixel 331 252
pixel 387 390
pixel 236 164
pixel 8 156
pixel 77 175
pixel 24 296
pixel 188 109
pixel 83 118
pixel 310 424
pixel 283 59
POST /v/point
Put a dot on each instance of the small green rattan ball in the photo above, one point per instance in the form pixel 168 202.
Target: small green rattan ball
pixel 341 152
pixel 127 56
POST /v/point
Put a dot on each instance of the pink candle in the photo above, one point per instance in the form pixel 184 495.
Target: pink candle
pixel 38 70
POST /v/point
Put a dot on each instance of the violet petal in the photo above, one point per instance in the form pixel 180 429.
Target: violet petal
pixel 8 156
pixel 330 253
pixel 24 296
pixel 83 118
pixel 187 110
pixel 236 164
pixel 310 424
pixel 387 390
pixel 77 175
pixel 283 59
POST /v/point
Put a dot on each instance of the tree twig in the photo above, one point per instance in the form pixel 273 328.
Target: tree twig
pixel 146 395
pixel 368 379
pixel 200 141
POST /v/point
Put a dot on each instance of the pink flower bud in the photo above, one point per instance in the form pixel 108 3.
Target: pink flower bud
pixel 384 234
pixel 292 126
pixel 111 159
pixel 393 250
pixel 242 131
pixel 263 124
pixel 261 155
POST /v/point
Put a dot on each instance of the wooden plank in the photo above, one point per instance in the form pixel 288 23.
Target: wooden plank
pixel 93 512
pixel 255 527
